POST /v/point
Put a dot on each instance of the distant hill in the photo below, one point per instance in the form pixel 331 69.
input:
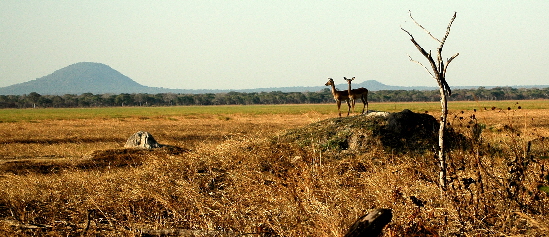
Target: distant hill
pixel 79 78
pixel 372 85
pixel 97 78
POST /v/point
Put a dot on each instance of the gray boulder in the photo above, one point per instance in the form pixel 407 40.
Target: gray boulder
pixel 142 140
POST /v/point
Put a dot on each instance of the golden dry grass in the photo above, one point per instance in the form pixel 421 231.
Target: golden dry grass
pixel 231 176
pixel 71 139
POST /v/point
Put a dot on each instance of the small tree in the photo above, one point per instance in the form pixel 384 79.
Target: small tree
pixel 33 98
pixel 438 72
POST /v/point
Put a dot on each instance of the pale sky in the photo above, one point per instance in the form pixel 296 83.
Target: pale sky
pixel 261 44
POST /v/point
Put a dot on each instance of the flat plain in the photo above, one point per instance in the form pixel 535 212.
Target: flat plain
pixel 65 172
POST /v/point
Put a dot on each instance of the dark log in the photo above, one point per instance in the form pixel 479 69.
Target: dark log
pixel 371 224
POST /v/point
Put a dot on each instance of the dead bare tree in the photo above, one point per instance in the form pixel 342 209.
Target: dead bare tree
pixel 439 74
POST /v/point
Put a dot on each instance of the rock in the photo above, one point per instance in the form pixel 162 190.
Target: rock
pixel 142 140
pixel 378 114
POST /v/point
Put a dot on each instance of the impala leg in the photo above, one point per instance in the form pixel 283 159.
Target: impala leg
pixel 364 103
pixel 339 107
pixel 349 110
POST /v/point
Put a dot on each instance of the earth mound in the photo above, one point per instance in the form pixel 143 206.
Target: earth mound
pixel 402 132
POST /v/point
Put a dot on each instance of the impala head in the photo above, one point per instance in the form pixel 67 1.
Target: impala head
pixel 348 79
pixel 330 82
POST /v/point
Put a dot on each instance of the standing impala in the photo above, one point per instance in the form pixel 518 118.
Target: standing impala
pixel 361 93
pixel 339 96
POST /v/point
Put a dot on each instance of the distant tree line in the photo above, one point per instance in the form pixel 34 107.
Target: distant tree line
pixel 276 97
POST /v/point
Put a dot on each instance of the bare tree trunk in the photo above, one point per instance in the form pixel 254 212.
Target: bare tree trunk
pixel 441 129
pixel 438 72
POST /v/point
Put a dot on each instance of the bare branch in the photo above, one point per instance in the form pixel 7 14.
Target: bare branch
pixel 427 55
pixel 447 87
pixel 426 69
pixel 448 61
pixel 451 58
pixel 420 26
pixel 443 77
pixel 448 29
pixel 439 57
pixel 407 32
pixel 422 51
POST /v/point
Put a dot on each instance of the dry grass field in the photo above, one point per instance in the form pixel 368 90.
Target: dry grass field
pixel 64 172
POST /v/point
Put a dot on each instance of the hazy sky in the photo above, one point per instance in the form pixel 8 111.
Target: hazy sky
pixel 256 44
